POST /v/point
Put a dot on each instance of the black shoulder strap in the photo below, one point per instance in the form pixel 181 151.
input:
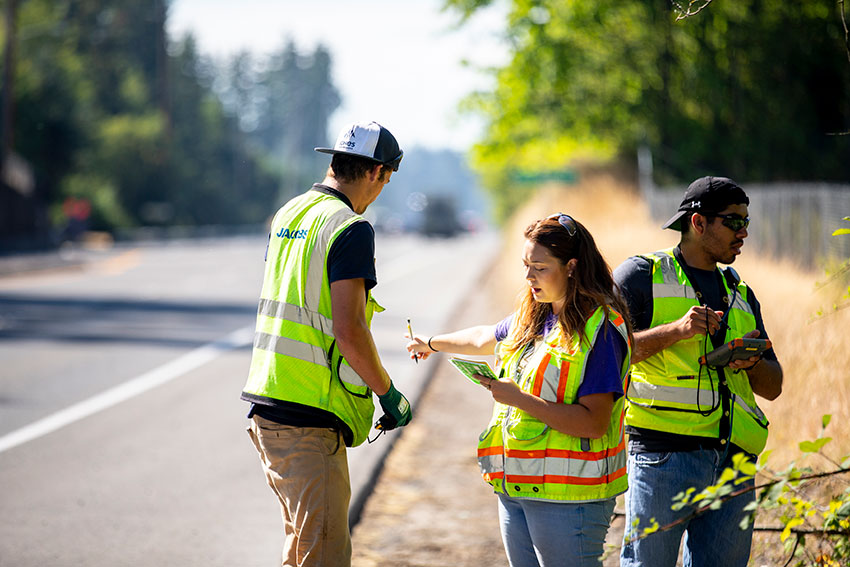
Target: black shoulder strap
pixel 732 277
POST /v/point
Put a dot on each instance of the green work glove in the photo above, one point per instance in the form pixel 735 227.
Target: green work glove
pixel 396 410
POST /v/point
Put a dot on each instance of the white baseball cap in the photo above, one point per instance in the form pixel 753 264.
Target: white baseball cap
pixel 371 141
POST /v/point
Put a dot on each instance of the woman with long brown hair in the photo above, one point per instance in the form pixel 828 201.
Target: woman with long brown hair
pixel 553 450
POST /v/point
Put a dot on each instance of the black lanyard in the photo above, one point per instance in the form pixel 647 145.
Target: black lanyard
pixel 717 340
pixel 719 337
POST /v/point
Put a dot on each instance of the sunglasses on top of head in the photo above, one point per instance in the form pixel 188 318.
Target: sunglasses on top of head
pixel 733 221
pixel 565 221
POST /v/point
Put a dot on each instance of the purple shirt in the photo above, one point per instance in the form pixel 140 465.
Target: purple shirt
pixel 604 360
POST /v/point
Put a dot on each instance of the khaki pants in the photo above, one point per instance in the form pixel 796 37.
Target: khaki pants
pixel 307 469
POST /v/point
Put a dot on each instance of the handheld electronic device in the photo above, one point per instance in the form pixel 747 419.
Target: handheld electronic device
pixel 383 423
pixel 735 349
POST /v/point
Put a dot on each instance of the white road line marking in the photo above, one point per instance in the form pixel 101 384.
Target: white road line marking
pixel 395 270
pixel 123 392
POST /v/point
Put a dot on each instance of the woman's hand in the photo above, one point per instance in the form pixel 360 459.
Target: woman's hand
pixel 418 347
pixel 589 416
pixel 504 391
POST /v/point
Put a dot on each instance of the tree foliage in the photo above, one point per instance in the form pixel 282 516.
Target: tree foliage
pixel 752 89
pixel 282 101
pixel 108 108
pixel 840 275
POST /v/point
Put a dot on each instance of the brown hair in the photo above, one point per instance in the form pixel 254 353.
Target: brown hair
pixel 590 285
pixel 348 168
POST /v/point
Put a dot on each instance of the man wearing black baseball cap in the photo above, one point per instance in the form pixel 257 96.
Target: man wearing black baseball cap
pixel 686 420
pixel 707 195
pixel 315 364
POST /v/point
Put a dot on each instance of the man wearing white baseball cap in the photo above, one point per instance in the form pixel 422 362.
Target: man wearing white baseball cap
pixel 315 364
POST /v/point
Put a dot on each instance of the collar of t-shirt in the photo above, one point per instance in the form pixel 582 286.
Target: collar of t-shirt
pixel 503 327
pixel 709 283
pixel 331 191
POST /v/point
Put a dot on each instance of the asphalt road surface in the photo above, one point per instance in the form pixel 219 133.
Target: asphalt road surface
pixel 122 436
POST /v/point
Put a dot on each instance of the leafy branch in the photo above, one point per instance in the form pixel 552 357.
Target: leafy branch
pixel 716 495
pixel 800 515
pixel 694 7
pixel 690 9
pixel 839 274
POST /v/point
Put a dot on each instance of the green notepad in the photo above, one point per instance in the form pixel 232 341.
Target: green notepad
pixel 471 367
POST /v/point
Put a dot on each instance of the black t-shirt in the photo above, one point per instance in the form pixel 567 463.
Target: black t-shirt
pixel 634 276
pixel 352 256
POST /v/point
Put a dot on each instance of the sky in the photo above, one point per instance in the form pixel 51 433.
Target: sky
pixel 397 62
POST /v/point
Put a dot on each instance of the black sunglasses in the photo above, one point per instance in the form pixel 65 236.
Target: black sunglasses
pixel 395 162
pixel 567 222
pixel 733 222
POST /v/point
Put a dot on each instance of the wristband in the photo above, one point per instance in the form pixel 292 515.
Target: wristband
pixel 429 345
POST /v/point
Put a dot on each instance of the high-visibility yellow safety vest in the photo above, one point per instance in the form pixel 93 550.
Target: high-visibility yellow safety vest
pixel 521 456
pixel 671 392
pixel 295 356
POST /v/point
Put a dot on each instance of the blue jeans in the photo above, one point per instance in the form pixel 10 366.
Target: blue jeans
pixel 714 538
pixel 540 534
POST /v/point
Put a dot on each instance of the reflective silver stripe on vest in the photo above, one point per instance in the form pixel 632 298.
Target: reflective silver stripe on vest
pixel 552 374
pixel 290 347
pixel 642 390
pixel 349 376
pixel 295 314
pixel 307 353
pixel 666 290
pixel 753 411
pixel 565 466
pixel 551 379
pixel 491 463
pixel 742 304
pixel 670 286
pixel 318 264
pixel 668 268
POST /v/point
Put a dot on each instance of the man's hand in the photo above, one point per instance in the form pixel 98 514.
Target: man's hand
pixel 396 409
pixel 747 363
pixel 765 375
pixel 699 320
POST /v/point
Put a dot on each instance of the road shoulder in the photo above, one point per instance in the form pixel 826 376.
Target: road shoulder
pixel 430 505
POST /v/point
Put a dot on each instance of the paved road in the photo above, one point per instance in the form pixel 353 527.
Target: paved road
pixel 121 433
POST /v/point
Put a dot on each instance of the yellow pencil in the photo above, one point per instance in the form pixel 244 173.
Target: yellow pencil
pixel 410 333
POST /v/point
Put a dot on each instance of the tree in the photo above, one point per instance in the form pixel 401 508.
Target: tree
pixel 756 89
pixel 283 103
pixel 107 111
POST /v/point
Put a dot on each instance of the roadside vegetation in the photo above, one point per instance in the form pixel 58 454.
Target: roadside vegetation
pixel 756 89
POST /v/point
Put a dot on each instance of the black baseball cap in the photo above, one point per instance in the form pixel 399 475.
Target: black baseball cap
pixel 707 195
pixel 371 141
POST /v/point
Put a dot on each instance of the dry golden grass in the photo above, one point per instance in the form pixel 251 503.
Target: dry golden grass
pixel 815 355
